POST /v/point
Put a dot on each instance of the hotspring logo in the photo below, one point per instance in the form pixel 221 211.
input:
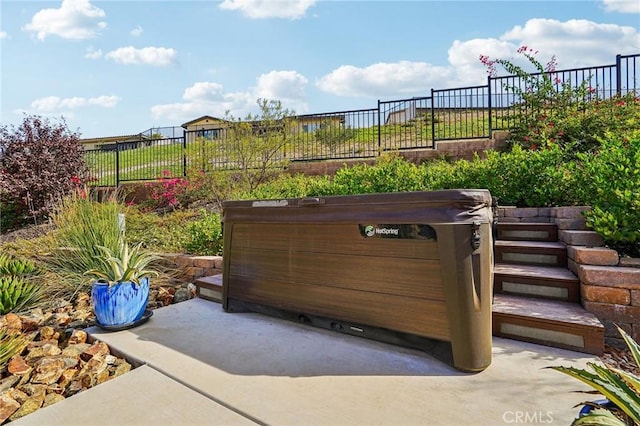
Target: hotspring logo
pixel 371 230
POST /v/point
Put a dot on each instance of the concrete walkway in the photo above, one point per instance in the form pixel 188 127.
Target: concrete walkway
pixel 204 366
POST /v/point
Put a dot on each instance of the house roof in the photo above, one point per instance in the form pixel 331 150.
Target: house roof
pixel 204 117
pixel 107 139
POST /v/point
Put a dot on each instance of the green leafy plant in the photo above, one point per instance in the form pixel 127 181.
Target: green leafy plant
pixel 620 387
pixel 16 267
pixel 10 345
pixel 17 294
pixel 83 224
pixel 206 235
pixel 18 291
pixel 125 264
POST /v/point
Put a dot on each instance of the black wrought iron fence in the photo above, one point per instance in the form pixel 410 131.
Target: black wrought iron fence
pixel 416 123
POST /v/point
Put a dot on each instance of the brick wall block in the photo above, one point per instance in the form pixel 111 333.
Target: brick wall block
pixel 610 276
pixel 593 255
pixel 194 271
pixel 635 297
pixel 577 224
pixel 569 212
pixel 630 262
pixel 616 296
pixel 184 261
pixel 205 261
pixel 635 332
pixel 617 313
pixel 522 212
pixel 219 262
pixel 212 271
pixel 580 238
pixel 610 329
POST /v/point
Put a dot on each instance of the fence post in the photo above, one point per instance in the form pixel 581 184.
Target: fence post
pixel 433 120
pixel 379 131
pixel 489 105
pixel 117 164
pixel 184 153
pixel 618 74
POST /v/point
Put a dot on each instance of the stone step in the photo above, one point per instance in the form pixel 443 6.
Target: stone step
pixel 544 253
pixel 527 231
pixel 547 322
pixel 545 282
pixel 209 288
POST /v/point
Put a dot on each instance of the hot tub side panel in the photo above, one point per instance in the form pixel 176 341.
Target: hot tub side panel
pixel 331 270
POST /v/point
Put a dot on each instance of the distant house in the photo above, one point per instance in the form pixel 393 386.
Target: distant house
pixel 109 143
pixel 207 127
pixel 312 122
pixel 406 115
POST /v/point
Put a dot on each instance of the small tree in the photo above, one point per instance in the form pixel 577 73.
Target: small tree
pixel 41 161
pixel 256 147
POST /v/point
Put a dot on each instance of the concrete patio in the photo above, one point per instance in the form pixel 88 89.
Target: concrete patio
pixel 200 365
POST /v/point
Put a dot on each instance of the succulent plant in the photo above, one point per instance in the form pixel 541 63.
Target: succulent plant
pixel 128 264
pixel 620 387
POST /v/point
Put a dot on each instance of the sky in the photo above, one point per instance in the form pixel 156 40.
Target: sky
pixel 122 67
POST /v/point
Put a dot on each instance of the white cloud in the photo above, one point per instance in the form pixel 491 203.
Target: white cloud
pixel 3 35
pixel 384 79
pixel 208 98
pixel 257 9
pixel 623 6
pixel 75 19
pixel 136 32
pixel 55 103
pixel 281 85
pixel 576 43
pixel 159 56
pixel 204 92
pixel 93 53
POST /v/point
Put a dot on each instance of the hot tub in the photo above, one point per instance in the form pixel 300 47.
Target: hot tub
pixel 400 267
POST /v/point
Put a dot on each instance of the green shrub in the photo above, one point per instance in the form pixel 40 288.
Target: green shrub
pixel 206 235
pixel 287 186
pixel 391 173
pixel 160 233
pixel 610 179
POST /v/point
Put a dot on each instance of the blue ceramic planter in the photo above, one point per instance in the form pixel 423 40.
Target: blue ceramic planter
pixel 120 304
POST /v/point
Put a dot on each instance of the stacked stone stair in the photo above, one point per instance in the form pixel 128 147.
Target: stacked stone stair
pixel 536 298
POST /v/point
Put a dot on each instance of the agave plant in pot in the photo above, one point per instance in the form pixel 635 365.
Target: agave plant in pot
pixel 120 290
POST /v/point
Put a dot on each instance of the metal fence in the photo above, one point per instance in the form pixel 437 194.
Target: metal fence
pixel 416 123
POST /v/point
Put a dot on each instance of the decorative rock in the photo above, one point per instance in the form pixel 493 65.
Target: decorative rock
pixel 52 398
pixel 48 333
pixel 8 406
pixel 67 377
pixel 122 368
pixel 74 351
pixel 181 295
pixel 29 406
pixel 48 370
pixel 18 395
pixel 83 301
pixel 34 389
pixel 77 336
pixel 7 383
pixel 47 349
pixel 98 348
pixel 13 321
pixel 18 366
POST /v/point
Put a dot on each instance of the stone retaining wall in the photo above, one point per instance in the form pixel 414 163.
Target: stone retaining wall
pixel 609 285
pixel 189 268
